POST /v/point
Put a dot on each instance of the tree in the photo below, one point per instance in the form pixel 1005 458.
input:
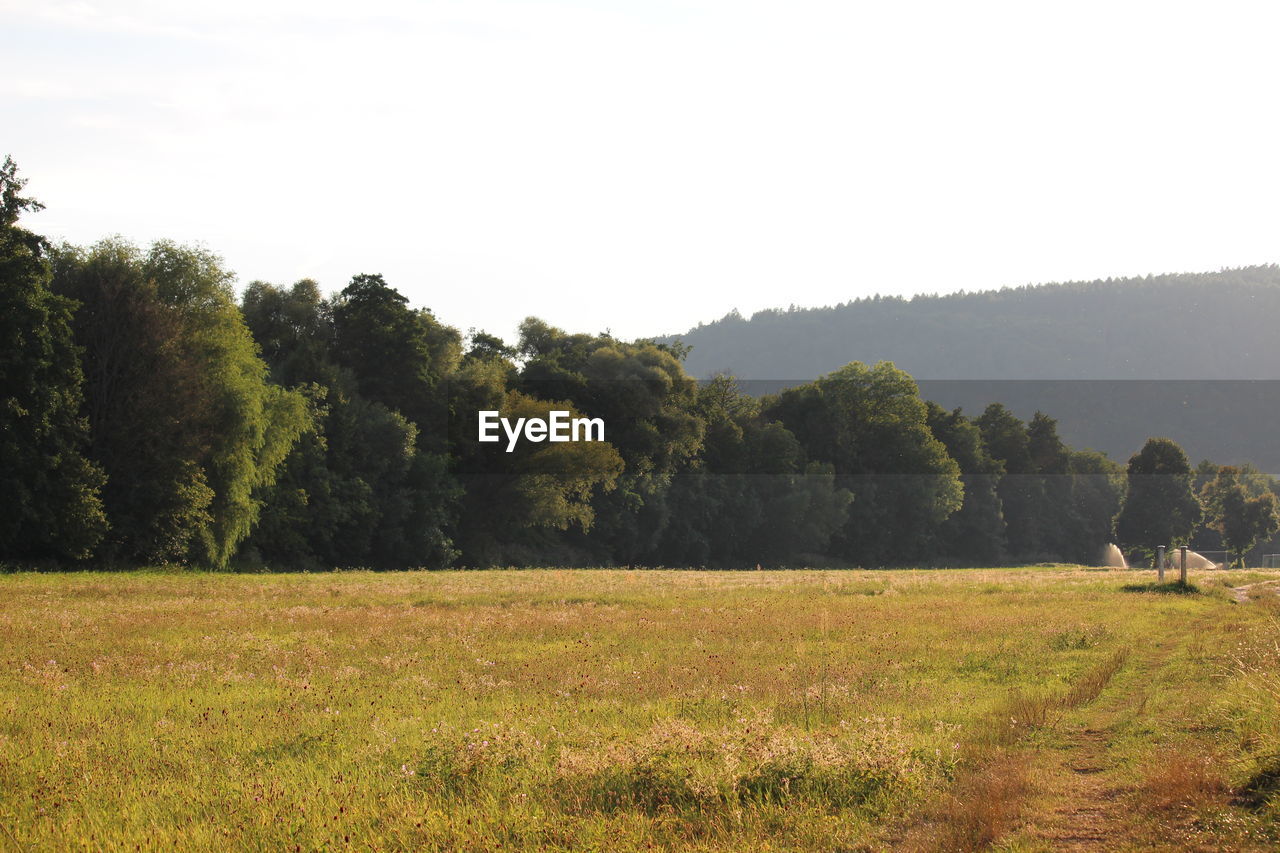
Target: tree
pixel 293 328
pixel 357 491
pixel 1240 518
pixel 514 499
pixel 256 422
pixel 399 356
pixel 647 401
pixel 50 504
pixel 870 424
pixel 157 495
pixel 1058 504
pixel 1160 507
pixel 182 416
pixel 975 533
pixel 750 497
pixel 486 346
pixel 1097 489
pixel 1051 461
pixel 1021 489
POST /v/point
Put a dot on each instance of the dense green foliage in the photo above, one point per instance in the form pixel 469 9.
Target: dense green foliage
pixel 870 425
pixel 182 417
pixel 400 357
pixel 978 528
pixel 148 417
pixel 751 496
pixel 49 490
pixel 358 491
pixel 643 393
pixel 1241 516
pixel 1160 507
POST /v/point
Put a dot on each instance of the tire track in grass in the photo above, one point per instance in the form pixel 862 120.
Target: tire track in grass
pixel 986 799
pixel 1084 799
pixel 1080 804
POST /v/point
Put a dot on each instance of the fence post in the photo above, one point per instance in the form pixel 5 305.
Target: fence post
pixel 1182 565
pixel 1160 563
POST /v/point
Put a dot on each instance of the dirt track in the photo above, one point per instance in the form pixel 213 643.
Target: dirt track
pixel 1240 594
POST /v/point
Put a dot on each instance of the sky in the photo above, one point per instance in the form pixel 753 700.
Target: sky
pixel 640 167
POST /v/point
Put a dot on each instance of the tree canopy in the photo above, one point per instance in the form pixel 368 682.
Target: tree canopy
pixel 1239 516
pixel 1160 507
pixel 148 414
pixel 50 504
pixel 871 426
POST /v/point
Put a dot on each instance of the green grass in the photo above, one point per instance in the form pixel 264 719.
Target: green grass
pixel 570 710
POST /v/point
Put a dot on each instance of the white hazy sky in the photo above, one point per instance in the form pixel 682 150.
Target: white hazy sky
pixel 642 166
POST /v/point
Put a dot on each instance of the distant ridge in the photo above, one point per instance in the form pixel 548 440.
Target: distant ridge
pixel 1115 361
pixel 1223 325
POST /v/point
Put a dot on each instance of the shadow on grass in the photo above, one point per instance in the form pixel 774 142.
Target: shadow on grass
pixel 1262 788
pixel 1167 588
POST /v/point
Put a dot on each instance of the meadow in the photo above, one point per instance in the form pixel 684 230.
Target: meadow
pixel 1045 708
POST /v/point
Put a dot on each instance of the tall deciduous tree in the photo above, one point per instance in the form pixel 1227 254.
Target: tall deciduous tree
pixel 1051 461
pixel 1160 507
pixel 870 424
pixel 49 490
pixel 401 357
pixel 182 416
pixel 646 399
pixel 1021 489
pixel 150 420
pixel 1097 489
pixel 750 497
pixel 1241 519
pixel 357 491
pixel 293 327
pixel 976 533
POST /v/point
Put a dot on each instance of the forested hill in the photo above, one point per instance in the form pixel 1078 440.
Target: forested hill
pixel 1221 325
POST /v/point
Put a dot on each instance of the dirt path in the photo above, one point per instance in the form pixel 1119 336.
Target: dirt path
pixel 1091 791
pixel 1080 803
pixel 1092 769
pixel 1240 594
pixel 1085 808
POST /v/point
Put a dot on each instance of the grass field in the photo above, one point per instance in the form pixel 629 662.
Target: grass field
pixel 1027 709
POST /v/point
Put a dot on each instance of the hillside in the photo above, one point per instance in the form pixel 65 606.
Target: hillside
pixel 1191 356
pixel 1189 326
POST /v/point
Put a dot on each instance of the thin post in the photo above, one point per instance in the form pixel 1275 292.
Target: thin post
pixel 1182 565
pixel 1160 563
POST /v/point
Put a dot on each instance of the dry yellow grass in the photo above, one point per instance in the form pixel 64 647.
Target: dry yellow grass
pixel 570 710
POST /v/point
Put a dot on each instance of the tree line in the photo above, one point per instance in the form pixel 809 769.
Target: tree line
pixel 152 416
